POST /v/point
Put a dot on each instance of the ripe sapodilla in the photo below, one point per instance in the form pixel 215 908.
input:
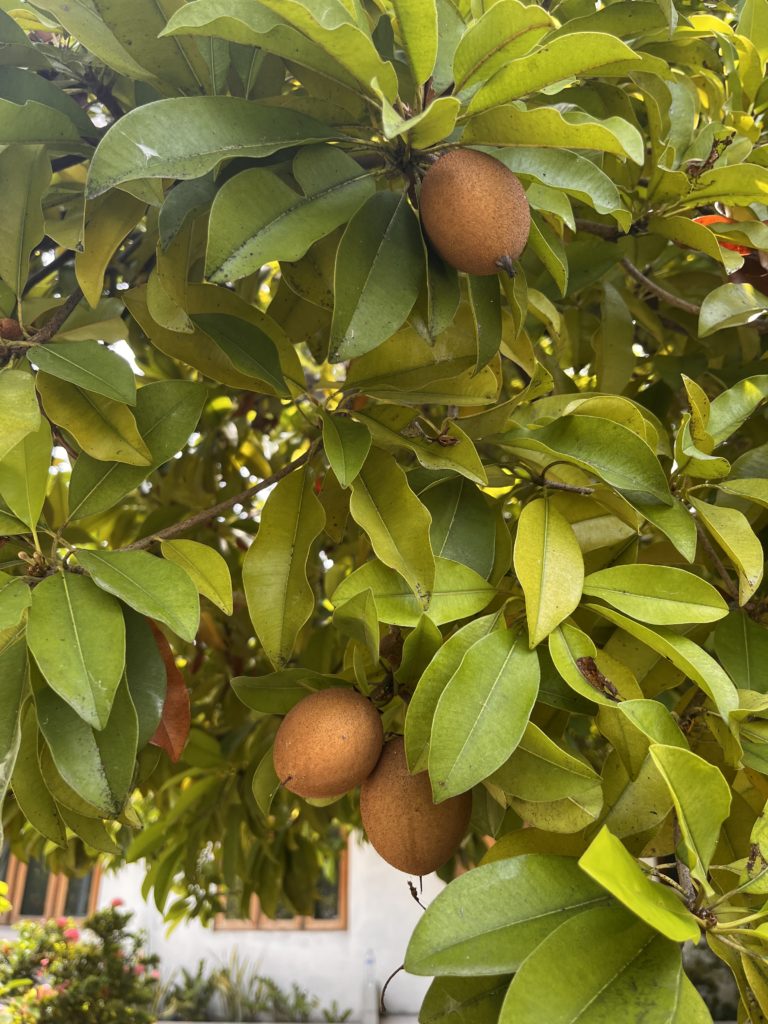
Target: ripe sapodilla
pixel 328 743
pixel 404 826
pixel 474 212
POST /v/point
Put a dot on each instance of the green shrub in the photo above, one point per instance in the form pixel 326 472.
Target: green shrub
pixel 55 973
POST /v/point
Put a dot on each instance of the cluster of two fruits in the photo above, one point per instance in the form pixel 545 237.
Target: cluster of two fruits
pixel 333 741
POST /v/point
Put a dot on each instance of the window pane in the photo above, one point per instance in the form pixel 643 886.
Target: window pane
pixel 35 888
pixel 5 856
pixel 78 893
pixel 327 906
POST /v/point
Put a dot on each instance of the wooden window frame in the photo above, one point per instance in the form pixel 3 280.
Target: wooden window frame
pixel 259 922
pixel 55 894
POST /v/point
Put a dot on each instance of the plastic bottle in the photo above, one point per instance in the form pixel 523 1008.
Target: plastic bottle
pixel 370 1000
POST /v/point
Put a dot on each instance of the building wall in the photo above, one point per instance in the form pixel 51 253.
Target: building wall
pixel 329 964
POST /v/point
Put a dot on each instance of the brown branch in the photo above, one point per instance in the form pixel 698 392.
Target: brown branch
pixel 728 585
pixel 593 227
pixel 50 329
pixel 223 506
pixel 683 871
pixel 662 293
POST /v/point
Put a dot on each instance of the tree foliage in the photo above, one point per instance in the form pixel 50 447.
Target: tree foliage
pixel 525 516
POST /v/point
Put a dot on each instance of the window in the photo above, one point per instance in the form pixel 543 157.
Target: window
pixel 34 892
pixel 330 910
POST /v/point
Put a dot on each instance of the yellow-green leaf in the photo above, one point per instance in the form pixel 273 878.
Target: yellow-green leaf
pixel 205 567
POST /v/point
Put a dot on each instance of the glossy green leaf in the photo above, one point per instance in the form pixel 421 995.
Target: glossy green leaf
pixel 549 565
pixel 676 523
pixel 485 303
pixel 755 490
pixel 24 475
pixel 277 692
pixel 489 920
pixel 604 958
pixel 106 430
pixel 150 142
pixel 14 673
pixel 729 306
pixel 395 521
pixel 506 30
pixel 15 598
pixel 733 407
pixel 657 593
pixel 541 771
pixel 417 22
pixel 357 619
pixel 436 676
pixel 457 593
pixel 280 598
pixel 469 1000
pixel 379 269
pixel 107 222
pixel 732 532
pixel 19 411
pixel 205 567
pixel 611 865
pixel 573 654
pixel 256 217
pixel 702 799
pixel 34 123
pixel 145 674
pixel 29 790
pixel 346 443
pixel 250 350
pixel 741 644
pixel 463 524
pixel 419 648
pixel 90 366
pixel 265 784
pixel 77 637
pixel 482 712
pixel 25 174
pixel 149 585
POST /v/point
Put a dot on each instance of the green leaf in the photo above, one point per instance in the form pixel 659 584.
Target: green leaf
pixel 733 533
pixel 89 365
pixel 14 672
pixel 465 1000
pixel 753 490
pixel 358 620
pixel 77 637
pixel 733 407
pixel 249 349
pixel 729 306
pixel 106 430
pixel 702 800
pixel 512 125
pixel 346 444
pixel 463 524
pixel 205 567
pixel 741 644
pixel 417 22
pixel 633 725
pixel 436 676
pixel 540 770
pixel 187 137
pixel 489 920
pixel 278 692
pixel 36 803
pixel 549 565
pixel 613 867
pixel 34 123
pixel 506 30
pixel 166 413
pixel 568 647
pixel 753 23
pixel 485 303
pixel 457 593
pixel 15 598
pixel 605 958
pixel 684 654
pixel 280 598
pixel 420 647
pixel 25 174
pixel 607 449
pixel 256 217
pixel 145 674
pixel 657 594
pixel 24 475
pixel 19 411
pixel 482 712
pixel 379 270
pixel 554 62
pixel 676 523
pixel 265 784
pixel 149 585
pixel 396 522
pixel 107 222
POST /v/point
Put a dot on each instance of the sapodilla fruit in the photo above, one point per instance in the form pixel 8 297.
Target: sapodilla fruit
pixel 404 826
pixel 328 743
pixel 10 329
pixel 474 212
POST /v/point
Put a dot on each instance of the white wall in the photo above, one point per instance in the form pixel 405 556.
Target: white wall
pixel 329 964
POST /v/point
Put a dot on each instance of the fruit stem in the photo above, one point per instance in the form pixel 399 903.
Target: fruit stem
pixel 505 263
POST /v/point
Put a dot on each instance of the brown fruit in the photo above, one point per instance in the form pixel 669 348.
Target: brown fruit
pixel 474 212
pixel 404 826
pixel 328 743
pixel 10 329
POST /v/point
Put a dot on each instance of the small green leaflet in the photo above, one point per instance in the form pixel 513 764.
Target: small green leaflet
pixel 657 593
pixel 205 567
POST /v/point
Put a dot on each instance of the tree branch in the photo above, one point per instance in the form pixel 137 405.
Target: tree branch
pixel 223 506
pixel 50 329
pixel 683 871
pixel 728 585
pixel 662 293
pixel 593 227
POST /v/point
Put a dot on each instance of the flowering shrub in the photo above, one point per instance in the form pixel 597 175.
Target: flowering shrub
pixel 54 974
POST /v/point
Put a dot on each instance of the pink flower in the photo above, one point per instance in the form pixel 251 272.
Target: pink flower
pixel 155 975
pixel 139 969
pixel 71 934
pixel 117 902
pixel 45 992
pixel 44 962
pixel 62 922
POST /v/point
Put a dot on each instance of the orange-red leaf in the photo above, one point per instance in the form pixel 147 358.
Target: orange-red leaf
pixel 173 731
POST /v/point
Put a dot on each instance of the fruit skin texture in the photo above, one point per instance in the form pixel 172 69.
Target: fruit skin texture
pixel 10 329
pixel 403 825
pixel 474 212
pixel 328 743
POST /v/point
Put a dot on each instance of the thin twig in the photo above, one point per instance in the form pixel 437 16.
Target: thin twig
pixel 50 329
pixel 730 587
pixel 394 974
pixel 223 506
pixel 662 293
pixel 683 871
pixel 593 227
